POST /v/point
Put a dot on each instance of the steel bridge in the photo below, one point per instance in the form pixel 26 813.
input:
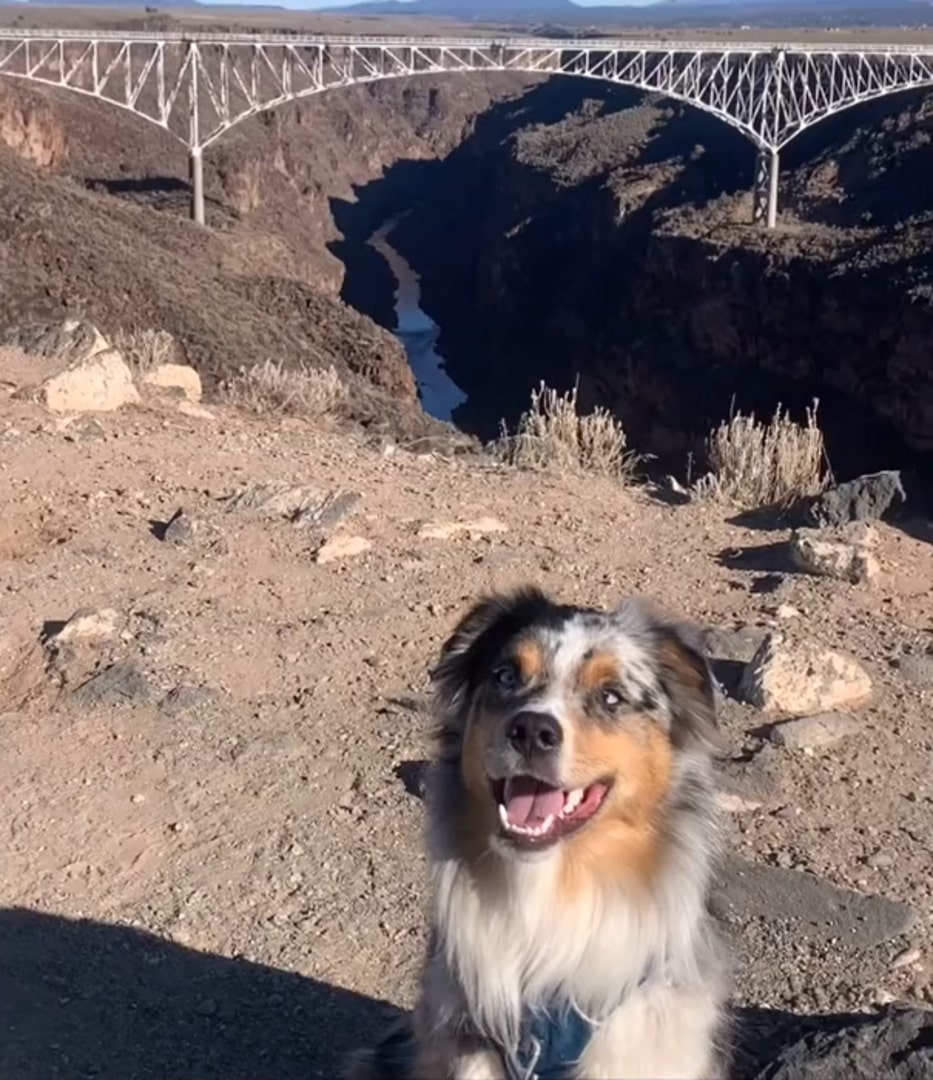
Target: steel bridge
pixel 197 86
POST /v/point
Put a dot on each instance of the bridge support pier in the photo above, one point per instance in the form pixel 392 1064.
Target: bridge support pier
pixel 767 186
pixel 196 176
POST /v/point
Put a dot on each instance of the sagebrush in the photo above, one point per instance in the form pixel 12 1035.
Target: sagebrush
pixel 552 434
pixel 755 464
pixel 273 387
pixel 145 350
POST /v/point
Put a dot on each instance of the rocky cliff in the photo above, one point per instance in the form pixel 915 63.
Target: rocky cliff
pixel 612 246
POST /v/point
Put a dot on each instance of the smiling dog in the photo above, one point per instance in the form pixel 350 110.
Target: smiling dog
pixel 571 831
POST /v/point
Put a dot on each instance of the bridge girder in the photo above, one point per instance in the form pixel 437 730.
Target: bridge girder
pixel 198 86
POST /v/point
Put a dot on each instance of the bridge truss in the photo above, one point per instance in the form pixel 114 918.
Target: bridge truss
pixel 198 86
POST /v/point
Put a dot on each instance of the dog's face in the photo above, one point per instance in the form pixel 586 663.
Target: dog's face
pixel 565 723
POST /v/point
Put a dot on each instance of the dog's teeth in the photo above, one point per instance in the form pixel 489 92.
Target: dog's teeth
pixel 572 801
pixel 504 817
pixel 545 827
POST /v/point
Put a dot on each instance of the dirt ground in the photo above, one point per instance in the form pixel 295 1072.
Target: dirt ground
pixel 238 823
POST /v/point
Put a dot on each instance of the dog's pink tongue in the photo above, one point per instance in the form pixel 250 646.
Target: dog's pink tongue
pixel 529 802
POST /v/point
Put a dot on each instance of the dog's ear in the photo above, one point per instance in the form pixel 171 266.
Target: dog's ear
pixel 476 642
pixel 687 683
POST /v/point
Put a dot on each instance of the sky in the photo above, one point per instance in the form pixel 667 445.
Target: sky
pixel 583 3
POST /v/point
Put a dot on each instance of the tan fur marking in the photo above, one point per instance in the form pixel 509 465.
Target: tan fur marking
pixel 598 670
pixel 623 841
pixel 530 658
pixel 679 662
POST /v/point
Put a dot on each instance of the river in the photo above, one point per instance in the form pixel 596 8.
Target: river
pixel 417 332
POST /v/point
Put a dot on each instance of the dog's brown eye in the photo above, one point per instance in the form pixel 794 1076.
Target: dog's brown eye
pixel 611 697
pixel 507 676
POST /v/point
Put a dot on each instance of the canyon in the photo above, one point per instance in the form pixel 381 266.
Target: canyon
pixel 561 230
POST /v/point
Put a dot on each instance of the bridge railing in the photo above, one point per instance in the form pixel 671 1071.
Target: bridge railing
pixel 659 44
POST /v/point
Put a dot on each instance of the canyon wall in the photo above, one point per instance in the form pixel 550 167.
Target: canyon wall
pixel 613 247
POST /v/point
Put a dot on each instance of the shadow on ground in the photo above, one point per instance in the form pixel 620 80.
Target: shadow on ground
pixel 81 999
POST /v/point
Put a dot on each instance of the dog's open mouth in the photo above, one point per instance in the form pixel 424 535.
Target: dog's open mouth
pixel 534 813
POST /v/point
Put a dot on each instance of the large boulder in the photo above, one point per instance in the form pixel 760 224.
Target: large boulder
pixel 867 498
pixel 838 553
pixel 896 1044
pixel 178 377
pixel 79 371
pixel 802 678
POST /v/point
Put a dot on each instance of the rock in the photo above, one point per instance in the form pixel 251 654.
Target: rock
pixel 802 679
pixel 730 802
pixel 445 531
pixel 175 376
pixel 784 611
pixel 896 1044
pixel 906 958
pixel 88 625
pixel 738 644
pixel 88 374
pixel 196 411
pixel 75 428
pixel 814 732
pixel 180 529
pixel 751 783
pixel 303 506
pixel 867 498
pixel 746 891
pixel 843 555
pixel 329 512
pixel 184 698
pixel 341 547
pixel 121 683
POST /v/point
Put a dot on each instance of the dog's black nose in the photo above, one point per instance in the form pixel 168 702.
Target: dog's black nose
pixel 535 733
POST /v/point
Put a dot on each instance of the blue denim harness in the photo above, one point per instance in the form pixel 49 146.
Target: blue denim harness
pixel 551 1043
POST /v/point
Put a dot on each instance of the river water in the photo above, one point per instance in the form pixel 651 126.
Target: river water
pixel 417 332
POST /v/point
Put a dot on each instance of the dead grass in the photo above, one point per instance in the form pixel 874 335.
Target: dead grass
pixel 272 387
pixel 144 350
pixel 553 435
pixel 754 464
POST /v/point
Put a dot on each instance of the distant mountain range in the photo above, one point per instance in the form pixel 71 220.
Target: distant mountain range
pixel 666 13
pixel 553 15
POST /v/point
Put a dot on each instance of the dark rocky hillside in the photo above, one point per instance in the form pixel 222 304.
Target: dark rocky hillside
pixel 613 246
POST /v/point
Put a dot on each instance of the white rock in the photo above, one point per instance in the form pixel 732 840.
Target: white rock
pixel 89 625
pixel 341 547
pixel 175 377
pixel 802 679
pixel 87 375
pixel 445 531
pixel 842 553
pixel 198 412
pixel 814 732
pixel 731 803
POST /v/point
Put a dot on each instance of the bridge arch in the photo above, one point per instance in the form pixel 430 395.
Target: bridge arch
pixel 199 86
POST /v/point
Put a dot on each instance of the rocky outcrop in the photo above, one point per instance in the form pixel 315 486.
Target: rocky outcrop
pixel 897 1044
pixel 602 248
pixel 29 126
pixel 78 369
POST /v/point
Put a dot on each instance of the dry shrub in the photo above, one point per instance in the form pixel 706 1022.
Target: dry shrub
pixel 553 435
pixel 756 465
pixel 144 350
pixel 272 387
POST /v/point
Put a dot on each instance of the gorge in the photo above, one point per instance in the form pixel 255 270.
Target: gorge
pixel 584 233
pixel 559 230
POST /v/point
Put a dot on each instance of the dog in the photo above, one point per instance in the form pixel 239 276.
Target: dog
pixel 571 832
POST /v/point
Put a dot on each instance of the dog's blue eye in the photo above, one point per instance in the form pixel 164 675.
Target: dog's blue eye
pixel 612 698
pixel 506 676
